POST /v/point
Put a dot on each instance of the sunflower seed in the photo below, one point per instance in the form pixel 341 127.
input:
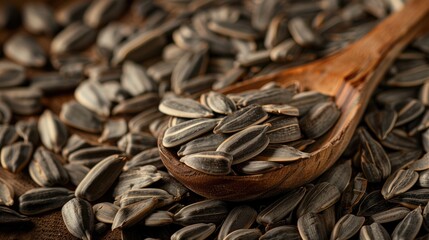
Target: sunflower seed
pixel 76 172
pixel 131 214
pixel 71 12
pixel 218 103
pixel 413 198
pixel 283 129
pixel 159 218
pixel 375 162
pixel 311 226
pixel 113 130
pixel 288 50
pixel 409 227
pixel 53 132
pixel 247 234
pixel 133 143
pixel 239 29
pixel 78 218
pixel 420 164
pixel 402 159
pixel 338 175
pixel 136 80
pixel 320 119
pixel 281 109
pixel 373 203
pixel 347 227
pixel 245 144
pixel 92 155
pixel 23 101
pixel 257 167
pixel 136 178
pixel 74 143
pixel 101 12
pixel 241 217
pixel 207 211
pixel 304 101
pixel 105 212
pixel 195 231
pixel 142 46
pixel 374 231
pixel 241 119
pixel 11 74
pixel 319 198
pixel 136 104
pixel 77 116
pixel 9 216
pixel 410 78
pixel 16 156
pixel 281 153
pixel 391 215
pixel 398 139
pixel 46 169
pixel 6 193
pixel 25 50
pixel 137 195
pixel 27 130
pixel 277 31
pixel 172 186
pixel 381 123
pixel 230 77
pixel 38 18
pixel 91 95
pixel 282 207
pixel 408 110
pixel 111 37
pixel 100 178
pixel 147 157
pixel 5 113
pixel 211 162
pixel 40 200
pixel 74 37
pixel 399 182
pixel 183 132
pixel 268 96
pixel 202 144
pixel 186 108
pixel 142 121
pixel 8 135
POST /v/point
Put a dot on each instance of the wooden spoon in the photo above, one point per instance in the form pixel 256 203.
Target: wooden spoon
pixel 350 76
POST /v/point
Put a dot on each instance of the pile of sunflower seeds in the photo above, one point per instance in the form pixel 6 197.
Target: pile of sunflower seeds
pixel 142 69
pixel 255 131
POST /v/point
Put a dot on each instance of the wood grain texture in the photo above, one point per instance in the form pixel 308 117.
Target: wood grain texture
pixel 351 76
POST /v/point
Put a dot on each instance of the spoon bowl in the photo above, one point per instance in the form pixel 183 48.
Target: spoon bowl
pixel 350 76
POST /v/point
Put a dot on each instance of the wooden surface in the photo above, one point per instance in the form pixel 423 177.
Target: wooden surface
pixel 350 76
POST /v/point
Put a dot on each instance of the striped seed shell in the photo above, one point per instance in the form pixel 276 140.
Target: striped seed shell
pixel 6 193
pixel 240 217
pixel 78 218
pixel 408 110
pixel 210 162
pixel 137 195
pixel 196 231
pixel 134 143
pixel 374 231
pixel 136 104
pixel 133 213
pixel 311 226
pixel 11 74
pixel 319 198
pixel 40 200
pixel 25 50
pixel 302 33
pixel 390 215
pixel 338 175
pixel 279 209
pixel 100 178
pixel 27 130
pixel 412 198
pixel 77 116
pixel 424 178
pixel 283 129
pixel 420 164
pixel 38 18
pixel 282 232
pixel 136 178
pixel 91 156
pixel 159 218
pixel 218 102
pixel 52 131
pixel 304 101
pixel 268 96
pixel 381 122
pixel 74 143
pixel 410 226
pixel 76 172
pixel 91 95
pixel 281 153
pixel 5 112
pixel 183 107
pixel 281 109
pixel 347 226
pixel 16 156
pixel 244 234
pixel 105 212
pixel 207 211
pixel 113 130
pixel 101 12
pixel 9 216
pixel 399 182
pixel 74 37
pixel 46 169
pixel 8 135
pixel 186 131
pixel 257 167
pixel 202 144
pixel 241 119
pixel 147 157
pixel 135 79
pixel 320 119
pixel 245 144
